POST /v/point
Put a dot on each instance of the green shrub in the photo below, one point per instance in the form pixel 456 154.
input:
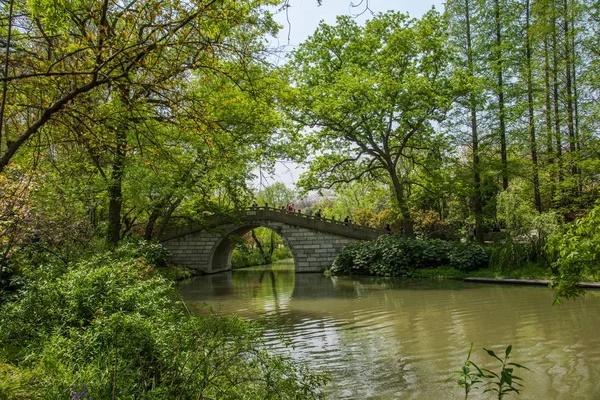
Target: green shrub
pixel 400 256
pixel 282 253
pixel 577 253
pixel 241 259
pixel 511 253
pixel 109 326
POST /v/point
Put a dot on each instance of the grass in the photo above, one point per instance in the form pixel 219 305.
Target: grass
pixel 525 271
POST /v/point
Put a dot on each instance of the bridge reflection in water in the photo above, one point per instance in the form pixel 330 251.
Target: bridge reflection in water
pixel 383 338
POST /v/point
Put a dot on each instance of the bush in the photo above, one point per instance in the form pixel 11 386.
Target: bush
pixel 576 252
pixel 109 327
pixel 282 253
pixel 246 258
pixel 400 256
pixel 428 224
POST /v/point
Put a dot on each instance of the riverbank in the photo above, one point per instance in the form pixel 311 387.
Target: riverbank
pixel 528 274
pixel 539 282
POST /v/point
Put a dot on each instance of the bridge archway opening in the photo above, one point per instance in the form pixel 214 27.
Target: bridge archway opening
pixel 223 252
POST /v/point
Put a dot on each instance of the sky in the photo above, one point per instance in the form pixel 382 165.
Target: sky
pixel 303 16
pixel 301 20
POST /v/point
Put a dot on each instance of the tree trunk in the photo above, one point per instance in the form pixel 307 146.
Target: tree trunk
pixel 260 247
pixel 154 215
pixel 531 127
pixel 477 201
pixel 5 70
pixel 272 246
pixel 555 100
pixel 407 223
pixel 500 94
pixel 166 217
pixel 115 189
pixel 548 113
pixel 569 88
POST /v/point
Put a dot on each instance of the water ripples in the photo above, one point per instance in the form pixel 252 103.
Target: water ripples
pixel 386 339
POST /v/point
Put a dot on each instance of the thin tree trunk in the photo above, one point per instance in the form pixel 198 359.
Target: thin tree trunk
pixel 555 100
pixel 500 94
pixel 5 69
pixel 569 88
pixel 260 247
pixel 154 215
pixel 115 188
pixel 575 102
pixel 548 113
pixel 272 245
pixel 165 219
pixel 477 201
pixel 532 138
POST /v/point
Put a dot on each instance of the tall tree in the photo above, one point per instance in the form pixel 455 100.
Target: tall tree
pixel 370 95
pixel 461 14
pixel 530 107
pixel 499 64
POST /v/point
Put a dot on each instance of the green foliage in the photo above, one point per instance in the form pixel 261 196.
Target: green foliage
pixel 152 253
pixel 259 247
pixel 429 224
pixel 522 271
pixel 245 257
pixel 469 375
pixel 577 253
pixel 400 256
pixel 282 253
pixel 374 94
pixel 276 195
pixel 527 232
pixel 502 383
pixel 511 253
pixel 109 326
pixel 440 273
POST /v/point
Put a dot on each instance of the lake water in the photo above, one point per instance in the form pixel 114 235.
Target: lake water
pixel 384 338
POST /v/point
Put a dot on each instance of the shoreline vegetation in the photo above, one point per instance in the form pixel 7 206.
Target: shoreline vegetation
pixel 541 261
pixel 109 323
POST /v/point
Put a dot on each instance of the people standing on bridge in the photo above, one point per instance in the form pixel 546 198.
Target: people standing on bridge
pixel 318 213
pixel 254 205
pixel 346 220
pixel 291 207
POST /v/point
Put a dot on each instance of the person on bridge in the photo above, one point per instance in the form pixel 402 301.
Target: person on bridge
pixel 254 205
pixel 291 207
pixel 346 220
pixel 318 213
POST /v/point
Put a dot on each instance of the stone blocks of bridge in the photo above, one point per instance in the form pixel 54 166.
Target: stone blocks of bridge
pixel 210 251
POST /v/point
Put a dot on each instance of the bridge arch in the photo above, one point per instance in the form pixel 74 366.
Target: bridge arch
pixel 314 242
pixel 223 248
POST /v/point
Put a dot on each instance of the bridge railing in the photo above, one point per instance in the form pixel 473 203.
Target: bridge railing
pixel 299 214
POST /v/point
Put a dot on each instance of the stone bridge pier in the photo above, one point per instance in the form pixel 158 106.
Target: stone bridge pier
pixel 314 242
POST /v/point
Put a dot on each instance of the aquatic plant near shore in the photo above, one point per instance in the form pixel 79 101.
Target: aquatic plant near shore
pixel 502 383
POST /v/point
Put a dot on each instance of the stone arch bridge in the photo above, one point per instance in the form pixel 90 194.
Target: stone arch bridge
pixel 314 242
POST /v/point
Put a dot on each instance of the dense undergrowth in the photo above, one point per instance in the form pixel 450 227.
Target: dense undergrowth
pixel 245 257
pixel 106 326
pixel 401 256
